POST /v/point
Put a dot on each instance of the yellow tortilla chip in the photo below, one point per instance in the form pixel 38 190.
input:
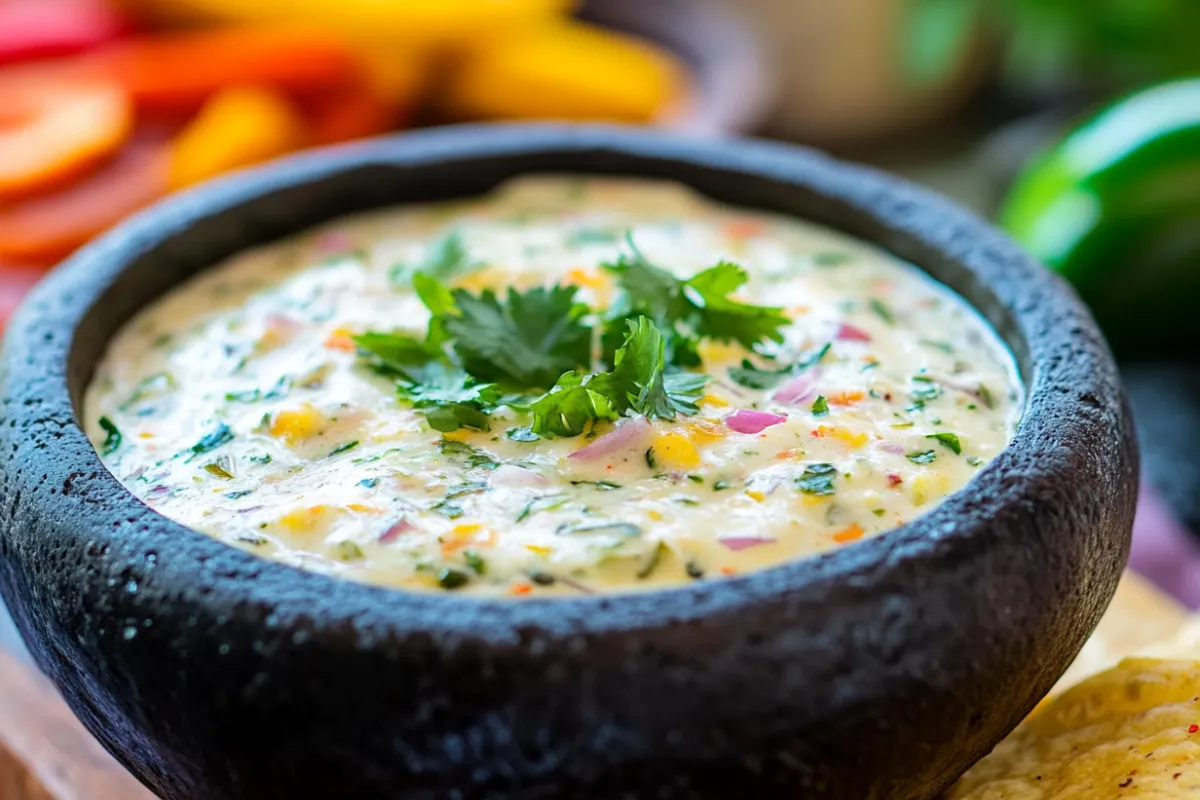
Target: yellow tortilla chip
pixel 1130 732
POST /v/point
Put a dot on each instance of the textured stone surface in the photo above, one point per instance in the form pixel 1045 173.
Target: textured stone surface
pixel 881 670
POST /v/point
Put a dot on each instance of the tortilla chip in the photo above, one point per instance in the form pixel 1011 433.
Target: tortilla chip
pixel 1130 732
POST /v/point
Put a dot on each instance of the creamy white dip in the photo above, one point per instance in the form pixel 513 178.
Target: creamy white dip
pixel 240 406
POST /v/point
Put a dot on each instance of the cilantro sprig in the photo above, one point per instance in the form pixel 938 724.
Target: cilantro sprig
pixel 532 351
pixel 690 308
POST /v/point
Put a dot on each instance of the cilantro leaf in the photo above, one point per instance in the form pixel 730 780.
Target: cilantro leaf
pixel 450 399
pixel 649 289
pixel 752 377
pixel 720 317
pixel 567 409
pixel 442 260
pixel 397 353
pixel 697 306
pixel 950 440
pixel 639 380
pixel 817 479
pixel 526 341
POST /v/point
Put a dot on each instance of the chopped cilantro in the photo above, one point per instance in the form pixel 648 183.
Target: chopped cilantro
pixel 626 529
pixel 945 347
pixel 696 478
pixel 450 578
pixel 830 259
pixel 752 377
pixel 211 441
pixel 985 396
pixel 475 457
pixel 541 578
pixel 652 561
pixel 344 447
pixel 922 457
pixel 974 461
pixel 604 486
pixel 475 561
pixel 112 437
pixel 369 483
pixel 817 479
pixel 265 458
pixel 537 504
pixel 879 512
pixel 570 407
pixel 526 341
pixel 238 494
pixel 699 306
pixel 721 485
pixel 442 260
pixel 882 311
pixel 349 551
pixel 820 406
pixel 521 435
pixel 651 462
pixel 949 440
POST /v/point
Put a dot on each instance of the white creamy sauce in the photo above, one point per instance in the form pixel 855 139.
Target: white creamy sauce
pixel 239 406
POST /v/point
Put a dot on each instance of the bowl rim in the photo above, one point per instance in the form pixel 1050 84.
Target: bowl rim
pixel 1034 300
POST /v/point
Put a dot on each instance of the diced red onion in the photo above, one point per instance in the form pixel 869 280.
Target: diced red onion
pixel 894 448
pixel 747 420
pixel 510 476
pixel 738 543
pixel 797 390
pixel 849 333
pixel 394 532
pixel 626 436
pixel 334 242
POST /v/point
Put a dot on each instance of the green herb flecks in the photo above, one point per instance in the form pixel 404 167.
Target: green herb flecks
pixel 882 311
pixel 949 440
pixel 817 479
pixel 220 435
pixel 475 561
pixel 344 447
pixel 450 578
pixel 752 377
pixel 820 406
pixel 112 437
pixel 443 260
pixel 922 457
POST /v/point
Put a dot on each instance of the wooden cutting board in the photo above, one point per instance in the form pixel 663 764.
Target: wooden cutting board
pixel 46 754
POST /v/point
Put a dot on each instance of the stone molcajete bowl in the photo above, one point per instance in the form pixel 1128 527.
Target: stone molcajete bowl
pixel 881 670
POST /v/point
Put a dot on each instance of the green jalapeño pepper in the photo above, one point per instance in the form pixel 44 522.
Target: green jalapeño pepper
pixel 1115 208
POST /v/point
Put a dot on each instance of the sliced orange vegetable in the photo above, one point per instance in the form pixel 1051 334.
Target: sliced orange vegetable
pixel 425 22
pixel 354 110
pixel 15 283
pixel 845 398
pixel 236 128
pixel 562 70
pixel 48 227
pixel 52 128
pixel 178 72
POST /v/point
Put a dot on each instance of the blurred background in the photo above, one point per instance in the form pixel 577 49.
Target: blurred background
pixel 1075 124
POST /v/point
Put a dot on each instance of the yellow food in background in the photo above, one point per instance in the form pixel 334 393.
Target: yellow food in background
pixel 236 128
pixel 562 70
pixel 1133 731
pixel 429 22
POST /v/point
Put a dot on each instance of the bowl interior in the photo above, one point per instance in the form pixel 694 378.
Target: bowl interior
pixel 240 220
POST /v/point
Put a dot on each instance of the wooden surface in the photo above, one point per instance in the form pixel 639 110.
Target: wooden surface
pixel 46 754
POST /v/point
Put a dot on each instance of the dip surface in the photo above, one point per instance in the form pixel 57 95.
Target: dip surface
pixel 239 405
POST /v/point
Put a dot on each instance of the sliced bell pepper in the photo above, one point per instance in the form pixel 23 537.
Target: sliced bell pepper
pixel 236 128
pixel 46 228
pixel 353 111
pixel 561 70
pixel 53 127
pixel 41 28
pixel 179 72
pixel 1115 208
pixel 399 22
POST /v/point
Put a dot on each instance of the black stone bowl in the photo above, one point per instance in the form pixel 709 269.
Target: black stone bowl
pixel 881 670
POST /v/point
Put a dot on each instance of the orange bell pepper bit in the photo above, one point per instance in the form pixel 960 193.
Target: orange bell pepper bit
pixel 53 128
pixel 237 128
